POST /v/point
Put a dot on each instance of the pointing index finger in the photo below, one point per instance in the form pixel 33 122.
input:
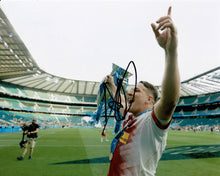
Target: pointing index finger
pixel 169 11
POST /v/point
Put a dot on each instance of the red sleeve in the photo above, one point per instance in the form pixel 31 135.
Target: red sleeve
pixel 162 127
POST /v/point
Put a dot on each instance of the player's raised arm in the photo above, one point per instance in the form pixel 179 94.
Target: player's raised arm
pixel 166 35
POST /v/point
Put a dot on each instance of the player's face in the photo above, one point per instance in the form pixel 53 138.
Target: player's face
pixel 142 100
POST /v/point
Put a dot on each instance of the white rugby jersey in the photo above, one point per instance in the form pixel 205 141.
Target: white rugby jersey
pixel 140 148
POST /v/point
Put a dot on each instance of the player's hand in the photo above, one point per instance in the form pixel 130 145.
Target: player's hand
pixel 165 32
pixel 109 80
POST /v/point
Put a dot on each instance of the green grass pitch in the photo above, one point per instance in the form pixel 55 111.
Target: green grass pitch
pixel 79 152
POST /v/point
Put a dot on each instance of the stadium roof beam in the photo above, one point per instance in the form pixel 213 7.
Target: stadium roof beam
pixel 77 89
pixel 12 55
pixel 48 86
pixel 211 85
pixel 73 85
pixel 61 85
pixel 85 87
pixel 34 83
pixel 68 88
pixel 16 68
pixel 213 79
pixel 16 80
pixel 190 89
pixel 29 79
pixel 93 88
pixel 8 76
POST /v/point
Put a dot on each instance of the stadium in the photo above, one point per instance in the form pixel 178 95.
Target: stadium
pixel 68 145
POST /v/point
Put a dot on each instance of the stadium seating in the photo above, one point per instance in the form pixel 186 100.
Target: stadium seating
pixel 197 110
pixel 54 109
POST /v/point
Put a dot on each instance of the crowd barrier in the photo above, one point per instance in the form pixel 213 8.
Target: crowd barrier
pixel 5 129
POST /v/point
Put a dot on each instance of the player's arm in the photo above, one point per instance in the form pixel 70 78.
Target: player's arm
pixel 36 131
pixel 167 39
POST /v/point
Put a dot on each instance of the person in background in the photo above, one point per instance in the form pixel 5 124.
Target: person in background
pixel 104 136
pixel 32 134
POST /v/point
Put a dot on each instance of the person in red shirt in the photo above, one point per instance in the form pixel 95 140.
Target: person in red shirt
pixel 137 149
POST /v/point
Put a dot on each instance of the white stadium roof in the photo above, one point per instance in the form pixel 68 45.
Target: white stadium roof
pixel 18 67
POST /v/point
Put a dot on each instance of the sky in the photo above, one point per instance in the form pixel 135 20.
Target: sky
pixel 80 39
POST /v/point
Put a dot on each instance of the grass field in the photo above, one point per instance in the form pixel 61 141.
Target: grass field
pixel 79 152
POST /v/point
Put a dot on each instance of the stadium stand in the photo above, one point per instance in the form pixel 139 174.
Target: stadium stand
pixel 27 92
pixel 197 111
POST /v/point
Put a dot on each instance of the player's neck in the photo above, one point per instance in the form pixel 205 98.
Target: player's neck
pixel 135 115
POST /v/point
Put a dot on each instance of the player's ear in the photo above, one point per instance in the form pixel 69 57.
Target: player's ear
pixel 151 99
